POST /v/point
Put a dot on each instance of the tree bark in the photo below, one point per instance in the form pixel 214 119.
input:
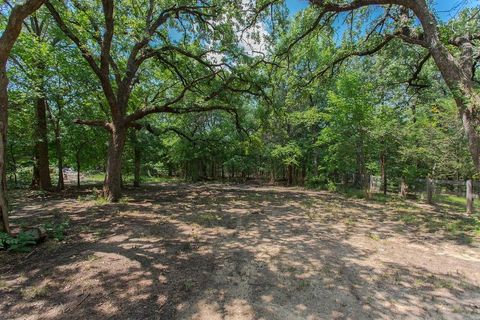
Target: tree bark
pixel 14 162
pixel 35 175
pixel 77 158
pixel 403 188
pixel 383 172
pixel 58 142
pixel 112 188
pixel 429 190
pixel 41 144
pixel 58 147
pixel 137 165
pixel 4 225
pixel 290 174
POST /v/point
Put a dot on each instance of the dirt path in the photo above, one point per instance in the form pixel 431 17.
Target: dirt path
pixel 241 252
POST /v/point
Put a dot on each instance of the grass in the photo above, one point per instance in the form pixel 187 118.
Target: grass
pixel 188 285
pixel 3 284
pixel 30 293
pixel 452 219
pixel 303 284
pixel 451 200
pixel 209 219
pixel 374 236
pixel 101 201
pixel 92 257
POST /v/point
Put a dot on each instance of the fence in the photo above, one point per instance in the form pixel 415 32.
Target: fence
pixel 419 186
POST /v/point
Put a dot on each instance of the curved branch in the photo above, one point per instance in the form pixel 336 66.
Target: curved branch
pixel 412 81
pixel 93 123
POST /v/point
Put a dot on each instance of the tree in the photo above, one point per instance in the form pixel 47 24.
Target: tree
pixel 33 58
pixel 347 137
pixel 119 65
pixel 454 56
pixel 7 40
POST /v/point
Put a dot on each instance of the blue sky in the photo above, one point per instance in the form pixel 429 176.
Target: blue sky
pixel 446 9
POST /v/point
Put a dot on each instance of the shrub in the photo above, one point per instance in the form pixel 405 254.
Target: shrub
pixel 21 243
pixel 331 186
pixel 57 230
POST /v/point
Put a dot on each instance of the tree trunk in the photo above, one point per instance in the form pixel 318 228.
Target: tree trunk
pixel 470 195
pixel 457 74
pixel 4 225
pixel 112 186
pixel 77 157
pixel 290 174
pixel 212 170
pixel 137 166
pixel 383 172
pixel 7 40
pixel 429 190
pixel 41 144
pixel 367 190
pixel 14 163
pixel 58 147
pixel 35 175
pixel 403 188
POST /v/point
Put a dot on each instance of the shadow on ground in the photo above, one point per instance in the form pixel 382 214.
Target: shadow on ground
pixel 239 252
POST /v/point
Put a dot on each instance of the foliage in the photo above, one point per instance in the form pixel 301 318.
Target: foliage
pixel 56 230
pixel 21 243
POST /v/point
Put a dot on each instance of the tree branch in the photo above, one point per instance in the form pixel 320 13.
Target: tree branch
pixel 412 81
pixel 94 123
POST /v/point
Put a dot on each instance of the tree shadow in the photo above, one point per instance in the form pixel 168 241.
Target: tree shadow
pixel 223 252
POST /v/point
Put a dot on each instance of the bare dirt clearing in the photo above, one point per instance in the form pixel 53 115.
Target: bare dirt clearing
pixel 192 251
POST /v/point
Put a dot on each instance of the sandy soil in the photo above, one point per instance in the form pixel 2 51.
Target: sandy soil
pixel 193 251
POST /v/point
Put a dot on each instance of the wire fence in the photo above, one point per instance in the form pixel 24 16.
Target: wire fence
pixel 420 186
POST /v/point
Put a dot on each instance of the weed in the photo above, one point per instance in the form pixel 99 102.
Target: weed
pixel 101 201
pixel 350 222
pixel 188 285
pixel 21 243
pixel 124 200
pixel 92 257
pixel 208 219
pixel 374 236
pixel 57 230
pixel 3 284
pixel 303 284
pixel 291 269
pixel 35 292
pixel 408 219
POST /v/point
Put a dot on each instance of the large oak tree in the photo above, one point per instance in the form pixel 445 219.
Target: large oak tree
pixel 414 22
pixel 128 40
pixel 10 35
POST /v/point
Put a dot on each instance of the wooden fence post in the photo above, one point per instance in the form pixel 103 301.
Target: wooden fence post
pixel 470 194
pixel 403 188
pixel 429 190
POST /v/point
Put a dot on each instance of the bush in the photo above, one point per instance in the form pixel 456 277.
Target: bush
pixel 26 239
pixel 57 230
pixel 331 186
pixel 315 182
pixel 21 243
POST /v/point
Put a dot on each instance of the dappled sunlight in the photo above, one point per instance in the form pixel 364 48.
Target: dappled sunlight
pixel 227 252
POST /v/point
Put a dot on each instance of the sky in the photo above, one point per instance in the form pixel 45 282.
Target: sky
pixel 446 9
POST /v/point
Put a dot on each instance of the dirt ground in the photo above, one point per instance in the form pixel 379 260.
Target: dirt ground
pixel 211 251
